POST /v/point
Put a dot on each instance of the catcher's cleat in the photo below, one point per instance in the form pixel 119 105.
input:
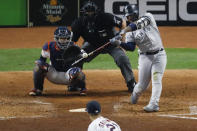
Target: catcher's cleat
pixel 73 88
pixel 151 108
pixel 35 92
pixel 83 92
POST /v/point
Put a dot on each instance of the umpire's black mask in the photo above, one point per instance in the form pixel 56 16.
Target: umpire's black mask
pixel 90 16
pixel 89 10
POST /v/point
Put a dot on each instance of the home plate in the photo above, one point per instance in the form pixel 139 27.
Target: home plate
pixel 78 110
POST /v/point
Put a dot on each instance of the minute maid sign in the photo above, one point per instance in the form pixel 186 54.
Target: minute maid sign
pixel 53 10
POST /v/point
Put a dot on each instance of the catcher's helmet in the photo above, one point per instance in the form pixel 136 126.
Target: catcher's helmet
pixel 131 10
pixel 62 36
pixel 89 7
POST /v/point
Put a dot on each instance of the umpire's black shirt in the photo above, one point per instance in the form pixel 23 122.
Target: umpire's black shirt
pixel 96 31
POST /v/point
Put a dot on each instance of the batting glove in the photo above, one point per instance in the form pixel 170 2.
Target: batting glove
pixel 84 55
pixel 116 40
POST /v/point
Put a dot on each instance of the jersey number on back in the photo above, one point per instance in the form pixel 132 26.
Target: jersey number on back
pixel 111 126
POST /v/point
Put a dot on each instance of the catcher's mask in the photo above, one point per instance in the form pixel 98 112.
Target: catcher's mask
pixel 89 10
pixel 62 36
pixel 131 12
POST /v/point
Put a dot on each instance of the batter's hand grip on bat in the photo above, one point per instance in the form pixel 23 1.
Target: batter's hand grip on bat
pixel 91 53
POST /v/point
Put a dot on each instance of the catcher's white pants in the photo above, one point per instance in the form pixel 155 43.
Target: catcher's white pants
pixel 58 77
pixel 151 67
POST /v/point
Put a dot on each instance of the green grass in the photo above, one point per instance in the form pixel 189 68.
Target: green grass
pixel 105 61
pixel 18 59
pixel 23 59
pixel 181 58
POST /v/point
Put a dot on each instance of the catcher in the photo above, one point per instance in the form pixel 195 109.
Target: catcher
pixel 62 53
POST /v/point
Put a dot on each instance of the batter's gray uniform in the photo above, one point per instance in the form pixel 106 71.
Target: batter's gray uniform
pixel 152 59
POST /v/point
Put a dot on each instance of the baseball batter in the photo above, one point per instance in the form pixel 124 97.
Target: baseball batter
pixel 152 56
pixel 99 123
pixel 58 72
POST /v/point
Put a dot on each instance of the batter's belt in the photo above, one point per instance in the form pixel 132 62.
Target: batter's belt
pixel 151 53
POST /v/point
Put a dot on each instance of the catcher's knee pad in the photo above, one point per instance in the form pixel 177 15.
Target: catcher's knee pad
pixel 38 78
pixel 76 73
pixel 77 77
pixel 122 60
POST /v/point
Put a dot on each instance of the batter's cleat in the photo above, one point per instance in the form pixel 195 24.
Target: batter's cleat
pixel 73 88
pixel 151 108
pixel 35 92
pixel 134 97
pixel 83 92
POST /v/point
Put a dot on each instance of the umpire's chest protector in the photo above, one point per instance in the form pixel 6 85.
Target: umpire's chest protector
pixel 99 30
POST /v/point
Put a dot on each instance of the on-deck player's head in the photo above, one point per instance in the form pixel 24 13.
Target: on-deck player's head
pixel 93 107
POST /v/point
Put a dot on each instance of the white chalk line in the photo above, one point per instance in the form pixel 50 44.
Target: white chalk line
pixel 36 116
pixel 193 111
pixel 179 116
pixel 28 102
pixel 40 102
pixel 14 117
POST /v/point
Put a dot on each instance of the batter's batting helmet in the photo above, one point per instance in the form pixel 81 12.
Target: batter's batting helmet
pixel 131 10
pixel 62 36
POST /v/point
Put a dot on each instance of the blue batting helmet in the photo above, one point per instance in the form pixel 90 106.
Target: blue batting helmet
pixel 131 10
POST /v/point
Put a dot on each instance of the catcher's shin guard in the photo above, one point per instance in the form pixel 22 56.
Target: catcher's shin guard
pixel 38 77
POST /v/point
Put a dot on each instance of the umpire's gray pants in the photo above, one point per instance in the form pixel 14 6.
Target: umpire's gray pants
pixel 119 56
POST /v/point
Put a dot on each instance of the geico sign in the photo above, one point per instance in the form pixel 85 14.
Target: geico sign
pixel 163 10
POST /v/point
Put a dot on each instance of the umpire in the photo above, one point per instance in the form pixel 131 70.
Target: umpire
pixel 97 28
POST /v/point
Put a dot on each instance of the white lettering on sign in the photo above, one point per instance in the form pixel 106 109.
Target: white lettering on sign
pixel 183 10
pixel 166 10
pixel 143 8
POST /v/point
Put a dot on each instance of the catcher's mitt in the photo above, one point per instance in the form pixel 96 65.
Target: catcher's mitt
pixel 71 54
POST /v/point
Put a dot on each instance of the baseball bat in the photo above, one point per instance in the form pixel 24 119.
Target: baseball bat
pixel 91 53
